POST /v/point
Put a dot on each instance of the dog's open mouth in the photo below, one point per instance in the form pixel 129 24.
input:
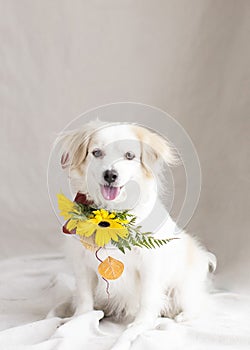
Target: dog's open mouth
pixel 110 192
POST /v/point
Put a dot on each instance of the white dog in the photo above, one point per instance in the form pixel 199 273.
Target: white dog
pixel 103 159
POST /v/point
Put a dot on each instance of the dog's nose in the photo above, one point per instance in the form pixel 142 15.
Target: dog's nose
pixel 110 176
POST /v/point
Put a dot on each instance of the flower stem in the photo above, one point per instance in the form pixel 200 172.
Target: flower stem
pixel 107 282
pixel 96 254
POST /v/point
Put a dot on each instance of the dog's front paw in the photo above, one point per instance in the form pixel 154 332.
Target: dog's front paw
pixel 181 317
pixel 186 317
pixel 132 331
pixel 138 327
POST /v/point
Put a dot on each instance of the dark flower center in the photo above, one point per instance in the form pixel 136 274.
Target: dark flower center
pixel 104 224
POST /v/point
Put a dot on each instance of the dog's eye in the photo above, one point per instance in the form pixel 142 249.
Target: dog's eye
pixel 97 153
pixel 129 155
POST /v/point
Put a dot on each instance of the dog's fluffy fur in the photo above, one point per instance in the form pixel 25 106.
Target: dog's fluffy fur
pixel 169 281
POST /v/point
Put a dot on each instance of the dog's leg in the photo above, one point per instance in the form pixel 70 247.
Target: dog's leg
pixel 151 302
pixel 192 300
pixel 84 299
pixel 84 276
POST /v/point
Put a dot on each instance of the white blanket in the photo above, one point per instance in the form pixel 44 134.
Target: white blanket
pixel 31 286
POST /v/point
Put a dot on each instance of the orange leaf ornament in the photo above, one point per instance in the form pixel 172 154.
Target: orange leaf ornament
pixel 110 268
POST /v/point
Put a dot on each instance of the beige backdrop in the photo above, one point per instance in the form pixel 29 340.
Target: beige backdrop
pixel 188 57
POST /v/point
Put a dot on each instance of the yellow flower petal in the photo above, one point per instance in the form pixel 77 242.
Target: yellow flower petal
pixel 85 228
pixel 120 221
pixel 98 218
pixel 64 202
pixel 102 237
pixel 66 206
pixel 123 232
pixel 113 234
pixel 104 213
pixel 72 224
pixel 115 224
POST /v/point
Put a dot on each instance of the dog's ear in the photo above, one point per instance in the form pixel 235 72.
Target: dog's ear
pixel 74 148
pixel 74 145
pixel 156 150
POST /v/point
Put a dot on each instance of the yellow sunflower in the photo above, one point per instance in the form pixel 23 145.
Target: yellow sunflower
pixel 66 206
pixel 104 225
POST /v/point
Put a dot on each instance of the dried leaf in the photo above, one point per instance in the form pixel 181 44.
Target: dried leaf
pixel 110 268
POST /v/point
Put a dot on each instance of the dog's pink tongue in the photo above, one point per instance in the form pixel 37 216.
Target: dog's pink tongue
pixel 110 192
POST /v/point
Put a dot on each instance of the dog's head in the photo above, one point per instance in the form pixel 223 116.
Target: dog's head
pixel 103 158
